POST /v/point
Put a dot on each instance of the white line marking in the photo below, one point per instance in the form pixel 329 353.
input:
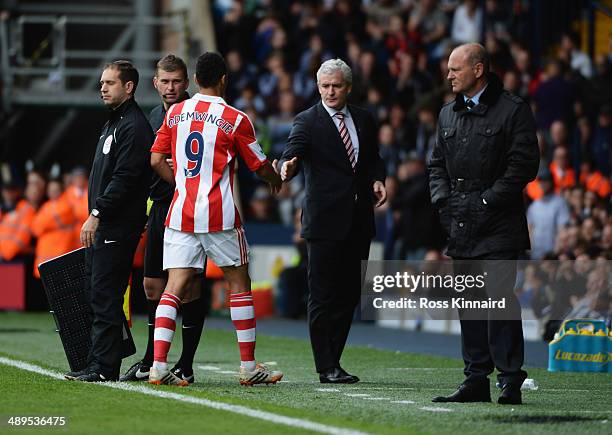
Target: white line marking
pixel 211 368
pixel 404 402
pixel 375 398
pixel 237 409
pixel 356 395
pixel 432 409
pixel 228 372
pixel 270 363
pixel 328 390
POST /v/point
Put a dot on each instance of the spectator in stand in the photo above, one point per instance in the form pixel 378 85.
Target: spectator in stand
pixel 554 96
pixel 53 226
pixel 427 26
pixel 279 124
pixel 11 193
pixel 426 132
pixel 268 82
pixel 579 61
pixel 387 148
pixel 564 176
pixel 249 98
pixel 467 23
pixel 418 227
pixel 593 180
pixel 239 75
pixel 545 217
pixel 76 195
pixel 15 227
pixel 582 143
pixel 602 141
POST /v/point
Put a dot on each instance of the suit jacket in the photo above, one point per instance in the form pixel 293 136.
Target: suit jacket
pixel 334 193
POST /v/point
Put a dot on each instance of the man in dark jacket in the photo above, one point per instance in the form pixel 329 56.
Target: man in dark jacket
pixel 336 145
pixel 485 154
pixel 118 189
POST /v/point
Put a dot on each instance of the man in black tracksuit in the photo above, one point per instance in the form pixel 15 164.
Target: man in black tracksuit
pixel 171 82
pixel 118 189
pixel 485 154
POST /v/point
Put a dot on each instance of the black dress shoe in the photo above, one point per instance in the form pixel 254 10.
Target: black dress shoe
pixel 71 376
pixel 94 377
pixel 510 395
pixel 337 376
pixel 344 373
pixel 473 392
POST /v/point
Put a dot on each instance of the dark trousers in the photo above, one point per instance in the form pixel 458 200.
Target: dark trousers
pixel 334 279
pixel 108 265
pixel 493 339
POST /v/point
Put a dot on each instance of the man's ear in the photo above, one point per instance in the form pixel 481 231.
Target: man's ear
pixel 129 87
pixel 195 80
pixel 479 70
pixel 155 82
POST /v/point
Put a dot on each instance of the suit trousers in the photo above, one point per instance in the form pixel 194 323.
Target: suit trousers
pixel 491 339
pixel 335 278
pixel 108 265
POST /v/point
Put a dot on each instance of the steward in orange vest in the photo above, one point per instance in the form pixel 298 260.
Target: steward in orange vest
pixel 53 226
pixel 76 195
pixel 15 236
pixel 594 181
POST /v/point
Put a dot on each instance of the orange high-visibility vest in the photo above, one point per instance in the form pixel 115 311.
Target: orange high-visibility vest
pixel 534 190
pixel 566 181
pixel 596 182
pixel 15 236
pixel 77 198
pixel 53 225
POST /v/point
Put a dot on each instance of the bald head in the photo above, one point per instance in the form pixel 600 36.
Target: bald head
pixel 468 66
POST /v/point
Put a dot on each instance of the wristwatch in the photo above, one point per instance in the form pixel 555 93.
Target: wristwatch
pixel 95 212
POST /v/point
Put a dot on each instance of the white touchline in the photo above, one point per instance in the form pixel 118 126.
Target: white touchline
pixel 237 409
pixel 431 408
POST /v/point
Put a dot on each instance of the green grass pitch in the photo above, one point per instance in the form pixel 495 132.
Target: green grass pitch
pixel 394 396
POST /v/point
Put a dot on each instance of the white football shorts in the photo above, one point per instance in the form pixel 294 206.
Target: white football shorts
pixel 224 248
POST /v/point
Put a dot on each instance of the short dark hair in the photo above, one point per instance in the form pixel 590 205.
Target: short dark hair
pixel 171 63
pixel 210 67
pixel 127 72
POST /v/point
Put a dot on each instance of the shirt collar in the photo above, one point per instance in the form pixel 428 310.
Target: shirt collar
pixel 209 98
pixel 475 98
pixel 332 112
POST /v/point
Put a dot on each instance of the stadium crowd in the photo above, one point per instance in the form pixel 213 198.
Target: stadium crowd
pixel 398 52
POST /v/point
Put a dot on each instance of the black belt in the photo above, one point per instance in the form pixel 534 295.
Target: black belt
pixel 469 185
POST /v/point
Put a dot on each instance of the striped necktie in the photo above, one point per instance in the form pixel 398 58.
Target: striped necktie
pixel 470 104
pixel 346 139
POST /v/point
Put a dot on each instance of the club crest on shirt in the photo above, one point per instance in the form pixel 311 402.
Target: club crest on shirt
pixel 107 144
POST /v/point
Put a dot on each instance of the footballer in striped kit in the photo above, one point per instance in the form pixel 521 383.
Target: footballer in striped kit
pixel 203 136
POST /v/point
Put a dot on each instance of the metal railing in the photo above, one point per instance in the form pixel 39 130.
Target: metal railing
pixel 53 72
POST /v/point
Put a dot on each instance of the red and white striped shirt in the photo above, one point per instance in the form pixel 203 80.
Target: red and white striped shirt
pixel 203 134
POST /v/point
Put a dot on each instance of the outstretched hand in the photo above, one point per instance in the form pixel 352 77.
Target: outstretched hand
pixel 289 169
pixel 380 192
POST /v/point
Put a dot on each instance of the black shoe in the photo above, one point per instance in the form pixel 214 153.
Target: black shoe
pixel 71 376
pixel 510 395
pixel 472 392
pixel 344 373
pixel 94 377
pixel 337 376
pixel 183 374
pixel 138 372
